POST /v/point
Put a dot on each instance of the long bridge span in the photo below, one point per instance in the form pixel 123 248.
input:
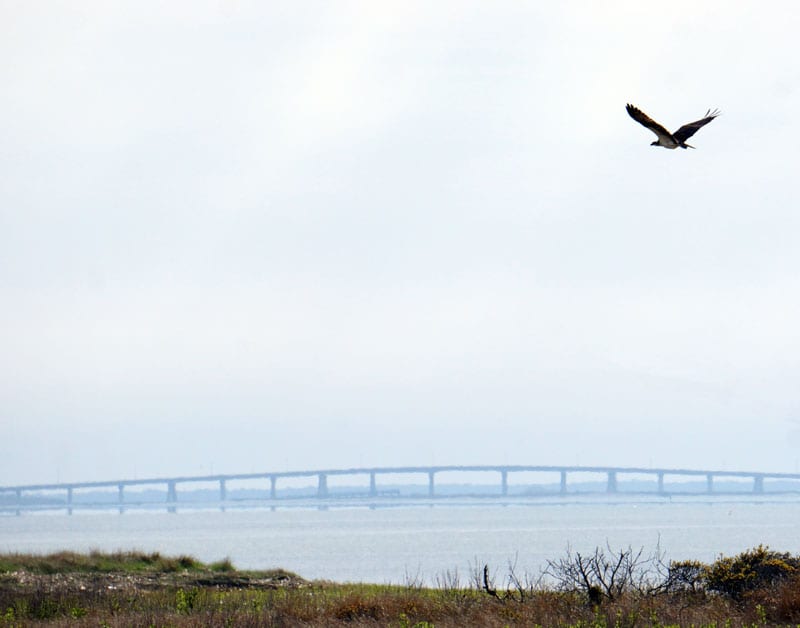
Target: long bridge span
pixel 29 497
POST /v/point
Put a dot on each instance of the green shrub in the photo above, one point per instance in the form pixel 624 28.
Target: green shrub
pixel 186 600
pixel 685 576
pixel 222 566
pixel 753 569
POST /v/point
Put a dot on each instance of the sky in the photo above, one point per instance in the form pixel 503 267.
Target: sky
pixel 263 236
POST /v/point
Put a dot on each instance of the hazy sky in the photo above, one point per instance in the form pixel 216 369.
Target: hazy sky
pixel 253 236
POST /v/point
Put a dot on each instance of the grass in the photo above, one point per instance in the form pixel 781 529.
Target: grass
pixel 100 562
pixel 58 597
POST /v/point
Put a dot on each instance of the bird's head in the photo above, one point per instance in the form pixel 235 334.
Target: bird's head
pixel 654 143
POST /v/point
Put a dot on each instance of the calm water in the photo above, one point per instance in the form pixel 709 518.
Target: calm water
pixel 391 544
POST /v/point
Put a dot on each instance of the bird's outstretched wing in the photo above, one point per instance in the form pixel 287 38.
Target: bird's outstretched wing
pixel 687 130
pixel 642 118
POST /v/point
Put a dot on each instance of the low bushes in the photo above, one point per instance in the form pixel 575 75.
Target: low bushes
pixel 607 573
pixel 753 569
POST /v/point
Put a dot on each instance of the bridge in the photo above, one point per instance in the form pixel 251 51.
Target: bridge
pixel 32 497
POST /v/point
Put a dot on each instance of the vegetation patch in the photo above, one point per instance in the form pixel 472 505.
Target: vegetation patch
pixel 604 589
pixel 98 562
pixel 753 569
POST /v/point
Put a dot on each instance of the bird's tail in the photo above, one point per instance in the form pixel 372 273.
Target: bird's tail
pixel 685 145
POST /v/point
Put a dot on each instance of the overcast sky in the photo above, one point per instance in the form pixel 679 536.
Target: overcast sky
pixel 255 236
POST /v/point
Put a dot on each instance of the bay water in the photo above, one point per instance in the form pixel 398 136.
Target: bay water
pixel 421 542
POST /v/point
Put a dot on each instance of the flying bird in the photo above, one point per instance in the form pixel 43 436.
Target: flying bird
pixel 665 138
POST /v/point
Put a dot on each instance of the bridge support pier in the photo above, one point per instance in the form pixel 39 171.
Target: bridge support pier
pixel 69 500
pixel 660 483
pixel 19 501
pixel 709 483
pixel 121 497
pixel 273 488
pixel 431 489
pixel 373 485
pixel 223 494
pixel 322 485
pixel 611 486
pixel 172 496
pixel 504 482
pixel 563 489
pixel 758 484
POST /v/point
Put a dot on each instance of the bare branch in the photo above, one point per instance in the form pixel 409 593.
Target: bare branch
pixel 487 585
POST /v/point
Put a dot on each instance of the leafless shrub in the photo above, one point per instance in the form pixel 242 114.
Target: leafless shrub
pixel 607 573
pixel 475 575
pixel 515 587
pixel 523 585
pixel 413 581
pixel 448 581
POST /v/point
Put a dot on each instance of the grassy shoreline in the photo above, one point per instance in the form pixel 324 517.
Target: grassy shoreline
pixel 139 589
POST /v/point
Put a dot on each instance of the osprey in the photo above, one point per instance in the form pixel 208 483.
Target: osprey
pixel 665 138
